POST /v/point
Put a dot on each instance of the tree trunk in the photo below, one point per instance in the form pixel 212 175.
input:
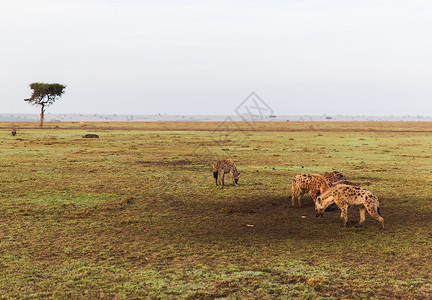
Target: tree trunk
pixel 42 115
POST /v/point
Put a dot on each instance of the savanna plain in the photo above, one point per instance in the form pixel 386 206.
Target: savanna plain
pixel 136 213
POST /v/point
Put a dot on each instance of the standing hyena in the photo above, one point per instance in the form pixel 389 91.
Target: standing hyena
pixel 348 195
pixel 225 166
pixel 313 184
pixel 333 176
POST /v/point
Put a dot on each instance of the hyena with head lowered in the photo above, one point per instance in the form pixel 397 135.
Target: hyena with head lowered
pixel 313 184
pixel 221 167
pixel 347 195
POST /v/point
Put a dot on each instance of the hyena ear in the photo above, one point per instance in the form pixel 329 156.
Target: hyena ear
pixel 238 173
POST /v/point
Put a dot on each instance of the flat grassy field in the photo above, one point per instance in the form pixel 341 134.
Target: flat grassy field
pixel 136 213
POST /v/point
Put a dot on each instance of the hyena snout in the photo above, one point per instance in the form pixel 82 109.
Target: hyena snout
pixel 319 211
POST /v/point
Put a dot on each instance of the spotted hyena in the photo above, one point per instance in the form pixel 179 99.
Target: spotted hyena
pixel 225 166
pixel 347 195
pixel 333 176
pixel 313 184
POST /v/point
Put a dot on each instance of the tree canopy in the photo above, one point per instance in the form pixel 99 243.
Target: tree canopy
pixel 45 94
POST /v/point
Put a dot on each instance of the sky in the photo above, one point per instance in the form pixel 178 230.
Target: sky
pixel 313 57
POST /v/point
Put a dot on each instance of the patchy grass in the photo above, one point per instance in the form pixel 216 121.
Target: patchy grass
pixel 136 213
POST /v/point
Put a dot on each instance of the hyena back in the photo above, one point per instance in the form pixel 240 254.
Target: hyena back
pixel 345 182
pixel 333 177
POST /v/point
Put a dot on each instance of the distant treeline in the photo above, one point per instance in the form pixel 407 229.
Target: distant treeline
pixel 197 118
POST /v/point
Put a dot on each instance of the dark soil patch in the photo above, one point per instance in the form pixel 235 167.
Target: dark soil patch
pixel 90 136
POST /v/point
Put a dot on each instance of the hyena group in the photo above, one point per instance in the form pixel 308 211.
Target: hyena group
pixel 332 187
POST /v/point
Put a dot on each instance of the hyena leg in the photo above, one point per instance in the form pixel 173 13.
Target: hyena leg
pixel 344 215
pixel 300 196
pixel 373 211
pixel 294 194
pixel 362 216
pixel 220 178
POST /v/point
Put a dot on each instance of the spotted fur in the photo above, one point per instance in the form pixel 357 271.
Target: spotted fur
pixel 333 176
pixel 347 195
pixel 222 167
pixel 344 182
pixel 313 184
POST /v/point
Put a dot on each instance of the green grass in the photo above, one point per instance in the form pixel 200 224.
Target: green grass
pixel 136 213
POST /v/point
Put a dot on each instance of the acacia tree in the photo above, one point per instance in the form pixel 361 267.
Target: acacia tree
pixel 45 94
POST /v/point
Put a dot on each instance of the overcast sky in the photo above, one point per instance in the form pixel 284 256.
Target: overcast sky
pixel 369 57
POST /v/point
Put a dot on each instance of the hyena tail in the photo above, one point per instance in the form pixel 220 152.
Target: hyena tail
pixel 215 175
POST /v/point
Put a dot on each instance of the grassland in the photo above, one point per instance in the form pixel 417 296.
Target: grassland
pixel 136 213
